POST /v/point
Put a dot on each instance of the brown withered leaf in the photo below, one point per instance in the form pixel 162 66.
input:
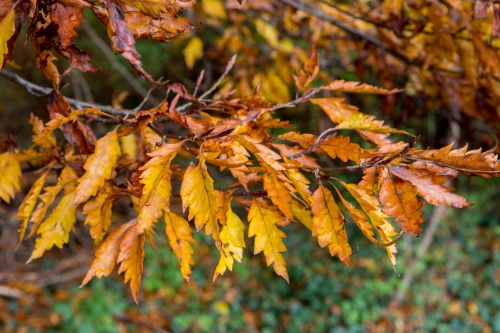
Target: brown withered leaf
pixel 163 28
pixel 67 19
pixel 307 74
pixel 123 41
pixel 430 186
pixel 341 147
pixel 78 59
pixel 77 133
pixel 371 180
pixel 399 199
pixel 154 8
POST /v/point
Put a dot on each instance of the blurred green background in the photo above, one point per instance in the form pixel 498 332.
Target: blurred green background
pixel 454 287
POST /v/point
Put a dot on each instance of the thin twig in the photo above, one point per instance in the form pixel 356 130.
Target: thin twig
pixel 39 91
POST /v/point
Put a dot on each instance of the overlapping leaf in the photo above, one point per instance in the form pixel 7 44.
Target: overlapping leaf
pixel 10 176
pixel 197 193
pixel 131 257
pixel 156 191
pixel 98 166
pixel 180 237
pixel 328 225
pixel 268 237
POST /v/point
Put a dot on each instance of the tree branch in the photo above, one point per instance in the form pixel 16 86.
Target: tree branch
pixel 39 91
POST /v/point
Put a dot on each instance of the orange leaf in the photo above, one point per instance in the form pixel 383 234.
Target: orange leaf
pixel 328 225
pixel 131 257
pixel 268 237
pixel 107 254
pixel 155 197
pixel 430 186
pixel 180 237
pixel 399 198
pixel 356 87
pixel 308 73
pixel 341 147
pixel 99 167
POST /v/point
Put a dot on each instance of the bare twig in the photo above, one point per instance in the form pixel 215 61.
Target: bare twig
pixel 39 91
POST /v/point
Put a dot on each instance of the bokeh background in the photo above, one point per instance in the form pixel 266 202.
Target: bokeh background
pixel 446 281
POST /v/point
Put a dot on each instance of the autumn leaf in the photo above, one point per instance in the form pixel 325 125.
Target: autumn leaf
pixel 10 176
pixel 341 147
pixel 233 242
pixel 301 184
pixel 193 51
pixel 430 186
pixel 98 166
pixel 197 193
pixel 307 74
pixel 131 257
pixel 155 176
pixel 56 228
pixel 303 214
pixel 28 204
pixel 356 87
pixel 99 213
pixel 268 237
pixel 154 7
pixel 67 19
pixel 328 225
pixel 180 237
pixel 399 198
pixel 7 29
pixel 107 254
pixel 49 140
pixel 278 194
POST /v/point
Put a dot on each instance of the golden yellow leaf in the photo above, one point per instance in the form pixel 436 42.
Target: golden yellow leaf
pixel 98 213
pixel 131 257
pixel 155 176
pixel 128 145
pixel 193 51
pixel 180 237
pixel 7 29
pixel 28 204
pixel 268 237
pixel 214 8
pixel 49 140
pixel 302 214
pixel 233 242
pixel 197 193
pixel 56 228
pixel 301 184
pixel 307 74
pixel 267 31
pixel 10 176
pixel 107 254
pixel 356 87
pixel 153 8
pixel 328 225
pixel 99 167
